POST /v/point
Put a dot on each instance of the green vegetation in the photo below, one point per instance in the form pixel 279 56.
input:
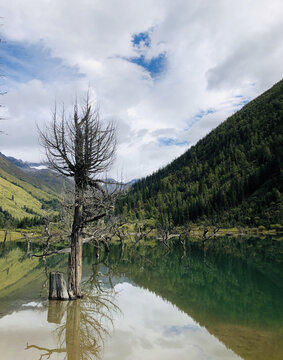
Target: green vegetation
pixel 231 177
pixel 11 235
pixel 24 200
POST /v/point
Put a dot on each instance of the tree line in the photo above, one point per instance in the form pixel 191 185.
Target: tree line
pixel 233 176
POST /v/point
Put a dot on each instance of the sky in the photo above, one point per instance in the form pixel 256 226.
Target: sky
pixel 166 72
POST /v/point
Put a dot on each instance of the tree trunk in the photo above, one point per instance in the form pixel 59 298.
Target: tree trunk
pixel 75 257
pixel 122 243
pixel 5 237
pixel 75 267
pixel 28 245
pixel 57 287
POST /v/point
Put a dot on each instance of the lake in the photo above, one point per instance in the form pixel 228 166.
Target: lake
pixel 223 301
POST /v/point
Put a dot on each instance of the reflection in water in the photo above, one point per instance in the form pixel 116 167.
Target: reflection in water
pixel 153 329
pixel 234 289
pixel 223 302
pixel 83 324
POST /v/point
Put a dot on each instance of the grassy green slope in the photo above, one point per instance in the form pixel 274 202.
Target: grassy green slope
pixel 21 195
pixel 232 176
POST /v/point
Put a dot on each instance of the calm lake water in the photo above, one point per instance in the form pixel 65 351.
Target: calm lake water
pixel 221 302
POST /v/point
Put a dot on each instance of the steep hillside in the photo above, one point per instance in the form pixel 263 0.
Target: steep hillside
pixel 22 196
pixel 232 176
pixel 41 176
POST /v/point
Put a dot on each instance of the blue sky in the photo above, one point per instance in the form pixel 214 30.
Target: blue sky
pixel 142 38
pixel 166 73
pixel 164 141
pixel 22 62
pixel 155 65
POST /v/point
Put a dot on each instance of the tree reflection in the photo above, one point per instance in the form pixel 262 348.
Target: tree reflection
pixel 83 324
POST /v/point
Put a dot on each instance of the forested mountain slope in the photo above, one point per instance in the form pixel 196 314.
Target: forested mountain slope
pixel 23 197
pixel 232 176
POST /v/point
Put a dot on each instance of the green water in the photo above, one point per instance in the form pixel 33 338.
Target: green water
pixel 220 302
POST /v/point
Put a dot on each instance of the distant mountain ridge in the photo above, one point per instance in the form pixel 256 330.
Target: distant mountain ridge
pixel 41 173
pixel 27 192
pixel 20 163
pixel 24 198
pixel 233 176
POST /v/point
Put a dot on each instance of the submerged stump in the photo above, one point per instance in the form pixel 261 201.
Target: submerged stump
pixel 57 287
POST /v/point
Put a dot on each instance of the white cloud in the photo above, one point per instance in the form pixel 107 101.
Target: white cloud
pixel 214 51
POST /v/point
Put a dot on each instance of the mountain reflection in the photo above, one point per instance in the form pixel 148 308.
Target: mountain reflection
pixel 82 324
pixel 223 299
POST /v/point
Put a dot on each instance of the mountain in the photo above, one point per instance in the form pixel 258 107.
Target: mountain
pixel 41 173
pixel 28 192
pixel 114 186
pixel 57 182
pixel 20 163
pixel 233 176
pixel 23 197
pixel 49 178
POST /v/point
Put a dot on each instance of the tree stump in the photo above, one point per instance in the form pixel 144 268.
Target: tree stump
pixel 57 287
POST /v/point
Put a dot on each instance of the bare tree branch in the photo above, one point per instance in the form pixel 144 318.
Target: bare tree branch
pixel 82 148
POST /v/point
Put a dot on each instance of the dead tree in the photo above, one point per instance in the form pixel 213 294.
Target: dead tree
pixel 206 237
pixel 118 228
pixel 81 148
pixel 5 236
pixel 142 231
pixel 48 235
pixel 183 236
pixel 164 232
pixel 121 233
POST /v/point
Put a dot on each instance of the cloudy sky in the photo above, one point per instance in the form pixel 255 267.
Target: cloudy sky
pixel 165 71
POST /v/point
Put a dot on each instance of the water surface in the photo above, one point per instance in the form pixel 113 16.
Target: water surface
pixel 221 302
